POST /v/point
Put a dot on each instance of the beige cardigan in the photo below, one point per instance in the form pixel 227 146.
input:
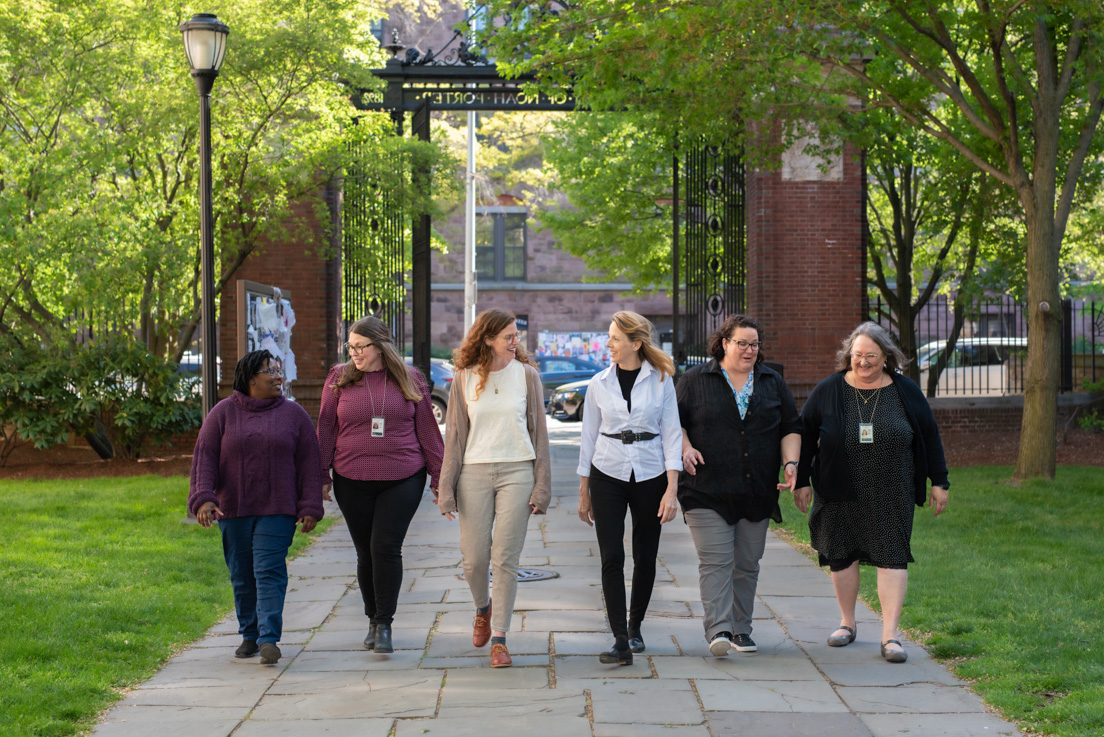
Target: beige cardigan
pixel 456 441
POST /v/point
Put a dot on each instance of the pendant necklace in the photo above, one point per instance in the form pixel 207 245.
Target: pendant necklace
pixel 866 400
pixel 866 429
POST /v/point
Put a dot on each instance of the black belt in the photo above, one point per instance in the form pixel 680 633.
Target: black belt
pixel 628 437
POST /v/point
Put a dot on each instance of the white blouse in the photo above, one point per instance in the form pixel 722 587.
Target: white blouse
pixel 654 410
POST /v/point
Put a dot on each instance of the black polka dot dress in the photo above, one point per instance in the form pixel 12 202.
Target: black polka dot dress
pixel 876 526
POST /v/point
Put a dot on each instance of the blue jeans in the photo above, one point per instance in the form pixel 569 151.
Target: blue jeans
pixel 256 550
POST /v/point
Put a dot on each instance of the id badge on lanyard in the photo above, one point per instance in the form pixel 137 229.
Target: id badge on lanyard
pixel 377 427
pixel 866 432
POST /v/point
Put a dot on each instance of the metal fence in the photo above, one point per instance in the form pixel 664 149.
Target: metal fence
pixel 990 354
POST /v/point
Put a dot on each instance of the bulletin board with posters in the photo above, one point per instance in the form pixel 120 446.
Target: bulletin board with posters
pixel 265 320
pixel 587 345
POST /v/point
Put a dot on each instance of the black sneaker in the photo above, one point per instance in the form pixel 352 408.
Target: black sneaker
pixel 721 643
pixel 270 654
pixel 744 644
pixel 247 649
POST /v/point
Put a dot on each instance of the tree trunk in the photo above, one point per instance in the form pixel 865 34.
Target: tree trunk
pixel 1037 455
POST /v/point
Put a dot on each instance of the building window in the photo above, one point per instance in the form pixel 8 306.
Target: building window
pixel 500 243
pixel 376 29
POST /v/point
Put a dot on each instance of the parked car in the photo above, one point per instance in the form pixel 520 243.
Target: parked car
pixel 567 400
pixel 978 367
pixel 441 373
pixel 556 371
pixel 192 363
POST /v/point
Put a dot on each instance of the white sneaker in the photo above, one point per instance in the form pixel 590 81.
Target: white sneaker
pixel 720 644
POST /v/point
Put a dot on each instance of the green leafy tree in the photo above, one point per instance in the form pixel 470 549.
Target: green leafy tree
pixel 1014 86
pixel 99 147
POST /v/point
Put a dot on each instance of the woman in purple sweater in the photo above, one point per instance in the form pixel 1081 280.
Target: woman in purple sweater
pixel 255 471
pixel 377 433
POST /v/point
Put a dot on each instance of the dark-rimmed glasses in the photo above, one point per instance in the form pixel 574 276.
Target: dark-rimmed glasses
pixel 356 350
pixel 743 345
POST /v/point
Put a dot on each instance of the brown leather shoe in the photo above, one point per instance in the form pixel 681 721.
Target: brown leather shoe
pixel 500 656
pixel 481 628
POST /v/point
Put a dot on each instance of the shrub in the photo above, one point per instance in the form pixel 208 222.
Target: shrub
pixel 115 393
pixel 36 403
pixel 1093 421
pixel 139 398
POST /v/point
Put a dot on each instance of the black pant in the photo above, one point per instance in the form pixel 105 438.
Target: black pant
pixel 609 499
pixel 378 514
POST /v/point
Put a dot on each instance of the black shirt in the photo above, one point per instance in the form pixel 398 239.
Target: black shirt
pixel 742 456
pixel 627 379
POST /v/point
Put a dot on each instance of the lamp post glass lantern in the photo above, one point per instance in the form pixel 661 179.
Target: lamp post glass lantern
pixel 205 45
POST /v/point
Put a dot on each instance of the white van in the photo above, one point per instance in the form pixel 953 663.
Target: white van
pixel 979 367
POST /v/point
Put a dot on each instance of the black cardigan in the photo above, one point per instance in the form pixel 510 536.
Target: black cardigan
pixel 822 455
pixel 740 475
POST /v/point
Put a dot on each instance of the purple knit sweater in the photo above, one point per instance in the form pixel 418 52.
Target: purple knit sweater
pixel 257 457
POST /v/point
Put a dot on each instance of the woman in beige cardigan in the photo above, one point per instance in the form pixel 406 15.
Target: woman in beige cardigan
pixel 496 471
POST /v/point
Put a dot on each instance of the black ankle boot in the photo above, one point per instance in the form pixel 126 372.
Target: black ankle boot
pixel 370 639
pixel 383 638
pixel 636 641
pixel 619 654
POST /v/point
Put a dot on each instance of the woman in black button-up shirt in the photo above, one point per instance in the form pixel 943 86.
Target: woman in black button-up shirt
pixel 740 424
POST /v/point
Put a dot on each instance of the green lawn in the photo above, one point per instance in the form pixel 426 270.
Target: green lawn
pixel 1007 589
pixel 102 583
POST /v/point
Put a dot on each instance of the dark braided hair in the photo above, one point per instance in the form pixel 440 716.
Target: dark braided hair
pixel 249 366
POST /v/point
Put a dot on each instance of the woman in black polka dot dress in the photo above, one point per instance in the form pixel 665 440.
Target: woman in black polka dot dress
pixel 869 446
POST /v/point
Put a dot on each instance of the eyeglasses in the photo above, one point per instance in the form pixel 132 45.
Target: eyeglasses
pixel 743 345
pixel 272 372
pixel 356 350
pixel 868 357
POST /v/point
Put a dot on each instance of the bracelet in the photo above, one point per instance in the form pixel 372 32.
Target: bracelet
pixel 787 463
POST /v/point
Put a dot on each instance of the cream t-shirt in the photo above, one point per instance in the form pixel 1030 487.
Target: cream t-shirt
pixel 498 430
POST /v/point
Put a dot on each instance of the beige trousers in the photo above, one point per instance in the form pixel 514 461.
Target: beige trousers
pixel 492 501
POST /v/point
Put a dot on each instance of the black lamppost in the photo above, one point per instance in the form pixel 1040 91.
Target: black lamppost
pixel 205 44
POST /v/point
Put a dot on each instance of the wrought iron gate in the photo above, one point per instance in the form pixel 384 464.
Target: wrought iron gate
pixel 710 269
pixel 373 233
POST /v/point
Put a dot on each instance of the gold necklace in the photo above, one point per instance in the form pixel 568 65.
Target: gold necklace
pixel 866 400
pixel 491 377
pixel 874 396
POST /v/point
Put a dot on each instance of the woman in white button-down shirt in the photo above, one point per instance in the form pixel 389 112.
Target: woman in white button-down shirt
pixel 630 455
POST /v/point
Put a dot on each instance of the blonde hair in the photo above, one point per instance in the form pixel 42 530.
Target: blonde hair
pixel 637 327
pixel 474 351
pixel 377 331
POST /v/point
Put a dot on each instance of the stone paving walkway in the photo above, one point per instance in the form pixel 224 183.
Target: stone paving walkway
pixel 436 683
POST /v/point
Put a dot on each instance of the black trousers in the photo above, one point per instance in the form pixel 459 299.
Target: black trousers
pixel 378 514
pixel 610 498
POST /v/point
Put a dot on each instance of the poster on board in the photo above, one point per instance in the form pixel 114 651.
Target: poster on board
pixel 265 320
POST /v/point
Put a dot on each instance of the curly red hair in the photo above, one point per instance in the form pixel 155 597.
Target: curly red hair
pixel 474 351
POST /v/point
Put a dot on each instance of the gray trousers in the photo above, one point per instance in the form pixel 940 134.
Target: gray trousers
pixel 494 497
pixel 728 569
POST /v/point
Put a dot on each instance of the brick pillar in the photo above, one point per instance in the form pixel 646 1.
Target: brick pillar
pixel 304 263
pixel 805 261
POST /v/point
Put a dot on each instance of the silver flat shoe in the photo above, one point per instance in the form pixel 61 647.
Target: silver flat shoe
pixel 842 640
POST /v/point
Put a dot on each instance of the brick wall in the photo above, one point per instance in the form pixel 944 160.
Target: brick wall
pixel 296 262
pixel 992 414
pixel 805 264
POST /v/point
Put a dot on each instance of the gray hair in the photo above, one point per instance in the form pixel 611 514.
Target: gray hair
pixel 895 357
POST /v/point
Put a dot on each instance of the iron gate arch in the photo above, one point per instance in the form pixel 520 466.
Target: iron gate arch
pixel 708 271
